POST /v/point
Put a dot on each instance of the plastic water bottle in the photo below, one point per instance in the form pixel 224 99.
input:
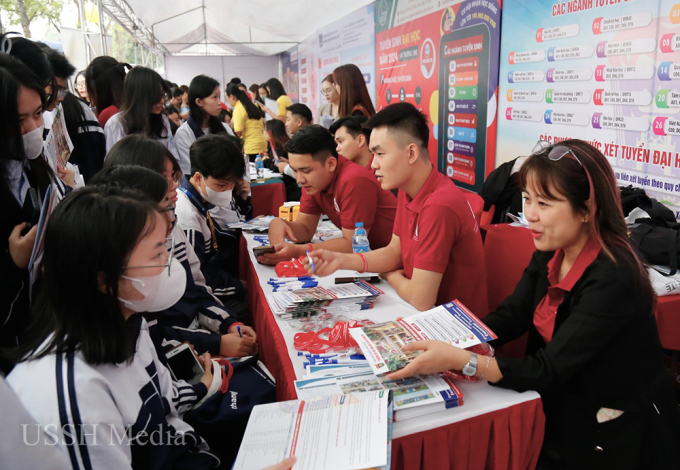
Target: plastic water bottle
pixel 360 239
pixel 259 165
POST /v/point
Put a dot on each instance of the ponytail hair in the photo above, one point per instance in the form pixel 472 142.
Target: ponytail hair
pixel 242 96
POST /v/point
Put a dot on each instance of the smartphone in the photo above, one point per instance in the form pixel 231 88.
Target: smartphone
pixel 347 280
pixel 260 250
pixel 183 364
pixel 31 209
pixel 463 96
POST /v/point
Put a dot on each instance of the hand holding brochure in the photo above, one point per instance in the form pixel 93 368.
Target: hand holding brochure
pixel 452 323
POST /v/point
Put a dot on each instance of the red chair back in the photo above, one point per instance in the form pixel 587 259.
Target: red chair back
pixel 507 252
pixel 476 204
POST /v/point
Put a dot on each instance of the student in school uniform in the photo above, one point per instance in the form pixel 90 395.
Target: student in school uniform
pixel 435 254
pixel 144 95
pixel 88 368
pixel 353 140
pixel 23 169
pixel 334 186
pixel 217 166
pixel 197 317
pixel 204 109
pixel 104 79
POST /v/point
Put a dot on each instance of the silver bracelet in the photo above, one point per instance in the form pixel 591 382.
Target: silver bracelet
pixel 488 361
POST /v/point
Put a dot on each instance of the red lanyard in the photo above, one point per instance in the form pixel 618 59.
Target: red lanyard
pixel 325 340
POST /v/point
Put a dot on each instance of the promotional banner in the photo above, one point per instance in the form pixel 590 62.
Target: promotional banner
pixel 289 73
pixel 604 71
pixel 442 56
pixel 350 40
pixel 308 72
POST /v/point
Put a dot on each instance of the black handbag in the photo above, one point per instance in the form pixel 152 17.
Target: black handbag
pixel 657 241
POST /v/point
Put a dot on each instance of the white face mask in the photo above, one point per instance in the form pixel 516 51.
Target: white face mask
pixel 217 198
pixel 33 142
pixel 160 291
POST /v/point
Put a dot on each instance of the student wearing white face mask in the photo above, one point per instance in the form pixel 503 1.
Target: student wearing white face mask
pixel 88 369
pixel 23 169
pixel 217 165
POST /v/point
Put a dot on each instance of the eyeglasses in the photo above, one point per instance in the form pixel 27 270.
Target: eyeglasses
pixel 556 153
pixel 327 91
pixel 175 178
pixel 80 84
pixel 61 93
pixel 171 256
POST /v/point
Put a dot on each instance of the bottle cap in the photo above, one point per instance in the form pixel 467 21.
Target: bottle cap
pixel 359 224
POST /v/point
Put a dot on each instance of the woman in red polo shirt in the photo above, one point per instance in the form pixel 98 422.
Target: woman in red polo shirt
pixel 587 303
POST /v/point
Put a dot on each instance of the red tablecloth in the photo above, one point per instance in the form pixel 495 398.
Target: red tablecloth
pixel 267 197
pixel 507 439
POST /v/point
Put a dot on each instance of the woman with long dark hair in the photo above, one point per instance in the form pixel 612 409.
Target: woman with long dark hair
pixel 104 79
pixel 588 305
pixel 91 364
pixel 329 111
pixel 354 97
pixel 23 171
pixel 80 85
pixel 204 109
pixel 144 95
pixel 247 120
pixel 278 94
pixel 276 135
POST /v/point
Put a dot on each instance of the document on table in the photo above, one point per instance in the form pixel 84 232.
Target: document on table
pixel 345 432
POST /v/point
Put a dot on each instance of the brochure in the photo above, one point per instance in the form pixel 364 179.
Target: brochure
pixel 342 432
pixel 452 323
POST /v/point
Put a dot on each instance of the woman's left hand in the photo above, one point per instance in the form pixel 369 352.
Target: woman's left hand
pixel 437 356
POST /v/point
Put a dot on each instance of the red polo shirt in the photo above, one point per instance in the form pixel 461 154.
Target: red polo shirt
pixel 354 195
pixel 546 311
pixel 438 233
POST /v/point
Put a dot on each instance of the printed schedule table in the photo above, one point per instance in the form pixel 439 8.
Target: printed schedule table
pixel 494 429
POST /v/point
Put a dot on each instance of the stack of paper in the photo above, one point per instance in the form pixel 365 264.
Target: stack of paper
pixel 342 298
pixel 325 433
pixel 413 396
pixel 259 224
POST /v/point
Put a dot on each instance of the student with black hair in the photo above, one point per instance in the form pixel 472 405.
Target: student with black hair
pixel 217 166
pixel 247 119
pixel 435 254
pixel 353 140
pixel 204 106
pixel 91 364
pixel 225 117
pixel 176 95
pixel 297 116
pixel 198 317
pixel 144 95
pixel 22 168
pixel 278 94
pixel 31 54
pixel 276 136
pixel 172 113
pixel 104 78
pixel 334 186
pixel 87 135
pixel 80 84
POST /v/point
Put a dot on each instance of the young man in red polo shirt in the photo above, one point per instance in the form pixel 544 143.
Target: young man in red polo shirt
pixel 436 253
pixel 353 139
pixel 337 187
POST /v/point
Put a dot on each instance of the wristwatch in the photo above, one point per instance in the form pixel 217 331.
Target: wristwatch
pixel 470 368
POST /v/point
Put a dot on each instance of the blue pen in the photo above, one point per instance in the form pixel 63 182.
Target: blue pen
pixel 238 328
pixel 311 263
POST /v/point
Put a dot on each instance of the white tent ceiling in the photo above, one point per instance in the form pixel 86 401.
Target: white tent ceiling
pixel 262 27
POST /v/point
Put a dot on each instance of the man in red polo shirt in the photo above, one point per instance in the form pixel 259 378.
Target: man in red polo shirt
pixel 353 139
pixel 436 253
pixel 334 186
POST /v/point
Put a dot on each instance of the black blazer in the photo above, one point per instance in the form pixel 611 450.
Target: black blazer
pixel 605 352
